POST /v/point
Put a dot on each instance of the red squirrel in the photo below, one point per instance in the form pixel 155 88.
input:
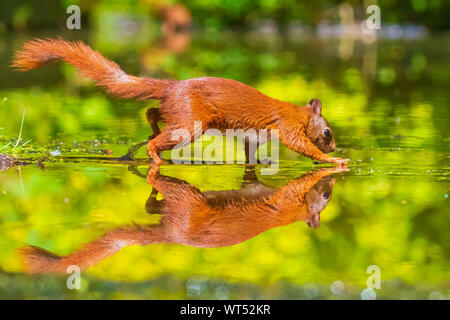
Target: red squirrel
pixel 207 219
pixel 216 102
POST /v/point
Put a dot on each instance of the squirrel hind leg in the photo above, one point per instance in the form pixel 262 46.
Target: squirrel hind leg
pixel 163 141
pixel 170 137
pixel 153 117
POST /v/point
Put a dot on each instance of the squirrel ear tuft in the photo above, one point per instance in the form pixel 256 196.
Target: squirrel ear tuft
pixel 316 105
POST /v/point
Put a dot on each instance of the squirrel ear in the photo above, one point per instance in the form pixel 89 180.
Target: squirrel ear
pixel 316 105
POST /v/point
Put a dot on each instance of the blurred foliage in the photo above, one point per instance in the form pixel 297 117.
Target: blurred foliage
pixel 225 14
pixel 387 95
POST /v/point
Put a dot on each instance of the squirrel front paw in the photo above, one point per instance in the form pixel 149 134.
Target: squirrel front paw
pixel 339 161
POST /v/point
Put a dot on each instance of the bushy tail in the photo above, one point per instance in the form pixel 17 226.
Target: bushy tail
pixel 38 260
pixel 106 73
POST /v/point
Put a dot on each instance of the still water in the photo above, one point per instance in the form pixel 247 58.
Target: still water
pixel 227 231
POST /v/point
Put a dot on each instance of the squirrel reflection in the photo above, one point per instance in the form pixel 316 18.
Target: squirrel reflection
pixel 202 219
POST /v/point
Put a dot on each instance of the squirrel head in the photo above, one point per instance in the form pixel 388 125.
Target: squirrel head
pixel 318 129
pixel 317 199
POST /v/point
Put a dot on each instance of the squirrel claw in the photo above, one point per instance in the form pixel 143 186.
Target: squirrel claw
pixel 340 161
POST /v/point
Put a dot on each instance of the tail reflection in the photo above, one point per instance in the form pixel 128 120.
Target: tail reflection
pixel 202 219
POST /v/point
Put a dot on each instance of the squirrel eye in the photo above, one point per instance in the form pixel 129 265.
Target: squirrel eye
pixel 326 196
pixel 327 132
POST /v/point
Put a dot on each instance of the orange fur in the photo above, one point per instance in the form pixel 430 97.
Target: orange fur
pixel 216 102
pixel 38 260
